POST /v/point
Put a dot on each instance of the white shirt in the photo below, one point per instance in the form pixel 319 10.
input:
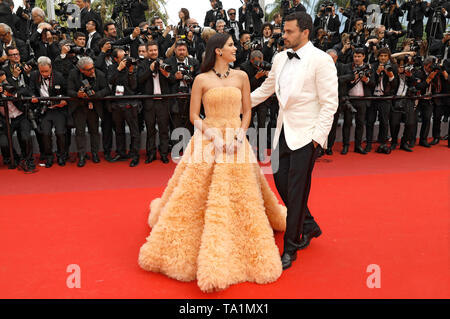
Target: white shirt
pixel 402 87
pixel 156 85
pixel 288 72
pixel 91 35
pixel 13 110
pixel 44 88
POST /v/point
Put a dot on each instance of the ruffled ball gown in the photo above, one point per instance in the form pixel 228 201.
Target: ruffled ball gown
pixel 216 218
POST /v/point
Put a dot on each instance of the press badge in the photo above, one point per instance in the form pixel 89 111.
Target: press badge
pixel 120 89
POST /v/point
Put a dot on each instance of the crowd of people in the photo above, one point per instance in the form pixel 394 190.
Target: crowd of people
pixel 41 59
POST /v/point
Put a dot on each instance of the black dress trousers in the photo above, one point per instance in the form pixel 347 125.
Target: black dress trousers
pixel 293 181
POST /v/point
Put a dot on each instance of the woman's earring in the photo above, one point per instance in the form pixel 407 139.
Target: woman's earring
pixel 220 53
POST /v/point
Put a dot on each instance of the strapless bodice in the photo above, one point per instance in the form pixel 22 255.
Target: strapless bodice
pixel 223 106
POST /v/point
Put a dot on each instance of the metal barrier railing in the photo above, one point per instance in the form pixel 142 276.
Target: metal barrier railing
pixel 163 96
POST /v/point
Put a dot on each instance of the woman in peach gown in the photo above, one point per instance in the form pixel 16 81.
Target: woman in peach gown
pixel 216 217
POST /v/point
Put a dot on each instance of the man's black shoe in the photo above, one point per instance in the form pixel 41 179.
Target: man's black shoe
pixel 306 238
pixel 424 143
pixel 434 141
pixel 81 161
pixel 49 162
pixel 329 151
pixel 108 157
pixel 384 149
pixel 344 150
pixel 150 158
pixel 30 164
pixel 287 259
pixel 393 146
pixel 360 150
pixel 405 147
pixel 368 147
pixel 134 162
pixel 61 160
pixel 164 159
pixel 95 158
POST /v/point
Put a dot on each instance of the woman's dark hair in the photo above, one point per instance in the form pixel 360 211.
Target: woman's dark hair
pixel 186 13
pixel 217 41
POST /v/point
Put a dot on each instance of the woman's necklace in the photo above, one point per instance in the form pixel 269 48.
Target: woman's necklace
pixel 222 75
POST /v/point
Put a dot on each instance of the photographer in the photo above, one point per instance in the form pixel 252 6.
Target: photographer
pixel 216 13
pixel 17 72
pixel 45 82
pixel 197 45
pixel 87 14
pixel 250 16
pixel 433 79
pixel 220 26
pixel 135 8
pixel 385 80
pixel 270 47
pixel 358 37
pixel 356 11
pixel 403 110
pixel 321 39
pixel 65 61
pixel 85 82
pixel 243 48
pixel 344 49
pixel 345 76
pixel 42 42
pixel 257 71
pixel 153 76
pixel 295 6
pixel 391 15
pixel 329 21
pixel 19 122
pixel 8 40
pixel 122 76
pixel 437 20
pixel 361 86
pixel 416 12
pixel 162 35
pixel 183 71
pixel 234 24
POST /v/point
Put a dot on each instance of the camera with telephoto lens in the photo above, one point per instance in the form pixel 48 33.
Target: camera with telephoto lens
pixel 252 4
pixel 80 50
pixel 388 67
pixel 186 72
pixel 409 68
pixel 197 30
pixel 63 11
pixel 326 7
pixel 87 88
pixel 130 61
pixel 159 64
pixel 263 65
pixel 11 89
pixel 254 45
pixel 387 3
pixel 363 71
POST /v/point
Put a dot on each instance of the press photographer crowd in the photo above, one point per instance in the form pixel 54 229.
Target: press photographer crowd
pixel 391 72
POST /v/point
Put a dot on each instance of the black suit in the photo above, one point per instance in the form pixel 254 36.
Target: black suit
pixel 53 117
pixel 82 114
pixel 22 126
pixel 43 49
pixel 155 110
pixel 382 107
pixel 251 21
pixel 125 110
pixel 86 16
pixel 345 76
pixel 94 43
pixel 211 16
pixel 260 110
pixel 416 12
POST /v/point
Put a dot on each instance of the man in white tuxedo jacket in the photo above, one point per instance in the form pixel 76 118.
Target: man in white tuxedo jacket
pixel 305 81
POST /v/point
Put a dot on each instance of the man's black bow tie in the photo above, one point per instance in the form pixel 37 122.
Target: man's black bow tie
pixel 292 55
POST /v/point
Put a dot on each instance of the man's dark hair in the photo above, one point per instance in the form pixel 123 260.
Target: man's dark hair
pixel 267 24
pixel 10 48
pixel 116 51
pixel 77 35
pixel 304 21
pixel 384 50
pixel 105 28
pixel 153 20
pixel 359 51
pixel 102 42
pixel 151 43
pixel 242 33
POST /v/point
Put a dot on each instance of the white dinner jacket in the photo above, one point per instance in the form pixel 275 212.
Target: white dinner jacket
pixel 309 110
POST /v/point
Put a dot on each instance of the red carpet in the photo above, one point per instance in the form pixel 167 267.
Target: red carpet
pixel 389 210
